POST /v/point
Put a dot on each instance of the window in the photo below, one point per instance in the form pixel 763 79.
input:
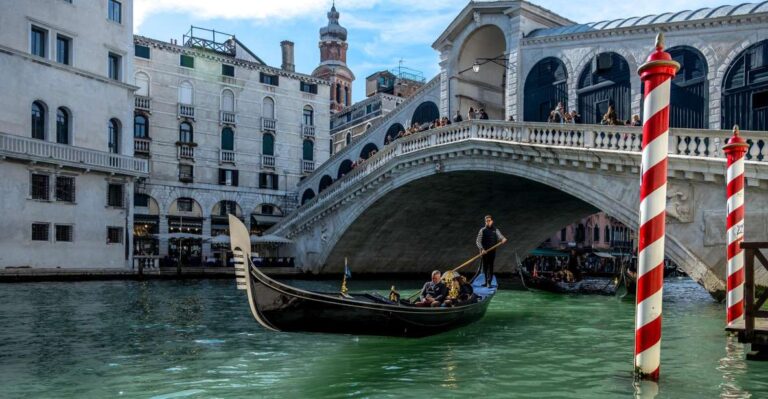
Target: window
pixel 185 92
pixel 39 187
pixel 115 11
pixel 228 177
pixel 140 200
pixel 113 132
pixel 115 195
pixel 114 235
pixel 227 207
pixel 187 61
pixel 228 70
pixel 185 204
pixel 267 209
pixel 268 108
pixel 308 116
pixel 368 108
pixel 63 49
pixel 309 150
pixel 62 126
pixel 142 81
pixel 607 235
pixel 268 79
pixel 228 101
pixel 141 51
pixel 140 127
pixel 348 138
pixel 268 180
pixel 40 231
pixel 308 88
pixel 185 133
pixel 63 233
pixel 227 139
pixel 114 66
pixel 65 188
pixel 330 148
pixel 38 120
pixel 37 41
pixel 760 99
pixel 268 145
pixel 186 173
pixel 596 234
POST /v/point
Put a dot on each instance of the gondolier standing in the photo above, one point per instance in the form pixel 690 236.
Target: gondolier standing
pixel 487 238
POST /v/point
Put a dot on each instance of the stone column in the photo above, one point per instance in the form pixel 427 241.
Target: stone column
pixel 511 96
pixel 206 233
pixel 162 230
pixel 445 83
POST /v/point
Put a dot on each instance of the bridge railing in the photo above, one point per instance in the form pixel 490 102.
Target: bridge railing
pixel 684 142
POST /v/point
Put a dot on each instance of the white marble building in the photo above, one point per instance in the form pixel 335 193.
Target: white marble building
pixel 65 133
pixel 223 132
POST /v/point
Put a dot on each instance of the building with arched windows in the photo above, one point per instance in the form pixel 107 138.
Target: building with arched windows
pixel 66 151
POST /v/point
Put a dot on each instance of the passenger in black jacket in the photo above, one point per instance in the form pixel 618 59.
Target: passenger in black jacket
pixel 434 291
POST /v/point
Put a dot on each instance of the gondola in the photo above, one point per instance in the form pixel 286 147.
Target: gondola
pixel 281 307
pixel 622 286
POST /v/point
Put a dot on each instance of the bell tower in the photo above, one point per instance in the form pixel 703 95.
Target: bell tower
pixel 333 62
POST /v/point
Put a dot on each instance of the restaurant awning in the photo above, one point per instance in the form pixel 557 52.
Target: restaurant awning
pixel 546 252
pixel 603 254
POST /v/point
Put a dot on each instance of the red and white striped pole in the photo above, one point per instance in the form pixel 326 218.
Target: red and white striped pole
pixel 656 75
pixel 735 151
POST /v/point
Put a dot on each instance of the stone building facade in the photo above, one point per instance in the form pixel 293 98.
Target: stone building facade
pixel 224 133
pixel 66 150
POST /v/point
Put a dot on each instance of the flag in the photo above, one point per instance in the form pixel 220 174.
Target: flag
pixel 347 272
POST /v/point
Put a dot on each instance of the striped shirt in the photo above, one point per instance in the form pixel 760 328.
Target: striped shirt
pixel 479 240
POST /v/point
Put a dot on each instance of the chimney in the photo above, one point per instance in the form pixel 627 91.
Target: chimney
pixel 287 47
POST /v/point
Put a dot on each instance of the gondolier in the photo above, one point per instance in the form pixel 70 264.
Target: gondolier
pixel 487 238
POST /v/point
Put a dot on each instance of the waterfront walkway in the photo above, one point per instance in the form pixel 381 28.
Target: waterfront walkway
pixel 23 274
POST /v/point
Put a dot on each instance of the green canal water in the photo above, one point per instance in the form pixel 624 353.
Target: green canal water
pixel 197 339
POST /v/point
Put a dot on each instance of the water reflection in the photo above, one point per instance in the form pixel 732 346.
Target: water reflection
pixel 733 367
pixel 645 389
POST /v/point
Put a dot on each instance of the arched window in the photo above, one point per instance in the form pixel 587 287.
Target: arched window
pixel 545 86
pixel 604 83
pixel 346 95
pixel 268 144
pixel 309 150
pixel 338 93
pixel 308 117
pixel 62 126
pixel 325 181
pixel 349 138
pixel 140 127
pixel 308 195
pixel 186 134
pixel 368 150
pixel 426 112
pixel 607 236
pixel 38 120
pixel 745 90
pixel 268 108
pixel 113 128
pixel 392 133
pixel 227 139
pixel 228 101
pixel 596 234
pixel 142 81
pixel 186 93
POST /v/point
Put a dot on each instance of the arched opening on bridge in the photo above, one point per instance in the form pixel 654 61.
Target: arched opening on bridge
pixel 368 150
pixel 392 133
pixel 745 90
pixel 426 112
pixel 604 83
pixel 486 47
pixel 344 168
pixel 689 94
pixel 545 87
pixel 308 195
pixel 325 182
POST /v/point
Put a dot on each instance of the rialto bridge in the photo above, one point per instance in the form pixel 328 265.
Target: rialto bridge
pixel 418 202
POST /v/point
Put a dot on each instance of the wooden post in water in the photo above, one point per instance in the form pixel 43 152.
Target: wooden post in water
pixel 734 151
pixel 656 75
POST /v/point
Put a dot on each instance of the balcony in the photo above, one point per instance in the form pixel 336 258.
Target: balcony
pixel 141 146
pixel 308 131
pixel 227 118
pixel 268 124
pixel 186 111
pixel 307 166
pixel 226 156
pixel 186 150
pixel 29 149
pixel 267 161
pixel 142 103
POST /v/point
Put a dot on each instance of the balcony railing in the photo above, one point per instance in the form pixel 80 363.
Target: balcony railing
pixel 228 118
pixel 226 156
pixel 307 166
pixel 267 161
pixel 186 151
pixel 141 145
pixel 142 103
pixel 268 124
pixel 308 131
pixel 26 148
pixel 186 111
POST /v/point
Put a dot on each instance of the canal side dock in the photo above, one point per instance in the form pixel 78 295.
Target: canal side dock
pixel 757 337
pixel 753 327
pixel 24 274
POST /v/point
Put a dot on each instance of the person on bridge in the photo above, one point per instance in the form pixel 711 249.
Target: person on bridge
pixel 487 238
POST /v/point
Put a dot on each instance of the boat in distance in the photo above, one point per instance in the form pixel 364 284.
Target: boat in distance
pixel 281 307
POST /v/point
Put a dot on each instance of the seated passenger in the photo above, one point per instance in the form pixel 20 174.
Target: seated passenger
pixel 434 291
pixel 466 294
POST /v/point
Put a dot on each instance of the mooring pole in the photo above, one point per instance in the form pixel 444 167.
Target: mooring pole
pixel 656 75
pixel 734 225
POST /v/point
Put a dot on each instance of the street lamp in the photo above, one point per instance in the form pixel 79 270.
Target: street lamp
pixel 476 67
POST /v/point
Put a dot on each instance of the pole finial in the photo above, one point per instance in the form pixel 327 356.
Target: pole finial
pixel 736 130
pixel 660 41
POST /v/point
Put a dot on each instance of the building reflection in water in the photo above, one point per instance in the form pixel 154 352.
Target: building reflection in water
pixel 734 367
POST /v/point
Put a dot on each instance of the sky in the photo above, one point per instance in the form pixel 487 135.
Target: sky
pixel 381 33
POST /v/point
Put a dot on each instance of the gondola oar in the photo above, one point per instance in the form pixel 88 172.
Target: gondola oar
pixel 472 259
